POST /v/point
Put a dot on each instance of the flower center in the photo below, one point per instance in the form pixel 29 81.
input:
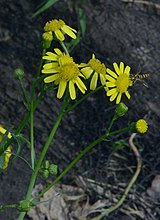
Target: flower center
pixel 122 83
pixel 54 25
pixel 96 65
pixel 65 59
pixel 69 72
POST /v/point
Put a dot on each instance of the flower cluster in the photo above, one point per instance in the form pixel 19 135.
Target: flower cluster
pixel 61 69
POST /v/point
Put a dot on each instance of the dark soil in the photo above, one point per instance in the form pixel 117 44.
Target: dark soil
pixel 116 31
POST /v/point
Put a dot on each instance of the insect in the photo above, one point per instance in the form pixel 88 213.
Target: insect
pixel 139 77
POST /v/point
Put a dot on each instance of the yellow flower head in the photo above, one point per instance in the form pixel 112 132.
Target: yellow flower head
pixel 118 82
pixel 60 29
pixel 141 126
pixel 97 68
pixel 7 153
pixel 63 71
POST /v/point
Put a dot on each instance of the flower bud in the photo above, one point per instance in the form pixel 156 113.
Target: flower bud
pixel 53 169
pixel 121 110
pixel 24 206
pixel 46 165
pixel 47 39
pixel 45 174
pixel 19 73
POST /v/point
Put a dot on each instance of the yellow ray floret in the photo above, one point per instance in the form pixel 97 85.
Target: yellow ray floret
pixel 118 82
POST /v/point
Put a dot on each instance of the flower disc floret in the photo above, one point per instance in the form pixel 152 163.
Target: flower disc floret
pixel 95 68
pixel 60 29
pixel 141 126
pixel 118 82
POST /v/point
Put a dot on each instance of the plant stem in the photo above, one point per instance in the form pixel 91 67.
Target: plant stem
pixel 64 47
pixel 23 123
pixel 83 98
pixel 43 153
pixel 41 63
pixel 32 134
pixel 80 155
pixel 132 181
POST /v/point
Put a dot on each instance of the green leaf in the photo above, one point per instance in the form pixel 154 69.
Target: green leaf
pixel 44 6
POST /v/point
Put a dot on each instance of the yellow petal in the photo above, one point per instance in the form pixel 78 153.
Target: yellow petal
pixel 48 71
pixel 50 56
pixel 68 31
pixel 118 98
pixel 72 29
pixel 103 79
pixel 127 70
pixel 51 78
pixel 116 68
pixel 59 35
pixel 80 85
pixel 113 96
pixel 82 65
pixel 111 79
pixel 72 90
pixel 113 74
pixel 50 65
pixel 121 67
pixel 61 88
pixel 57 51
pixel 93 83
pixel 111 92
pixel 110 84
pixel 87 71
pixel 3 131
pixel 127 94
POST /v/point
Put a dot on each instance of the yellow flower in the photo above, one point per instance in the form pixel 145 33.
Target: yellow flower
pixel 60 29
pixel 64 71
pixel 95 67
pixel 118 82
pixel 7 153
pixel 57 59
pixel 141 126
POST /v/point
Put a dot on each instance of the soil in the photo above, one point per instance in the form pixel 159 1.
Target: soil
pixel 117 30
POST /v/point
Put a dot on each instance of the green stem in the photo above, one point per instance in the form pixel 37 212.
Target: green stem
pixel 132 181
pixel 13 206
pixel 32 134
pixel 64 47
pixel 41 63
pixel 23 123
pixel 83 98
pixel 43 153
pixel 24 92
pixel 80 155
